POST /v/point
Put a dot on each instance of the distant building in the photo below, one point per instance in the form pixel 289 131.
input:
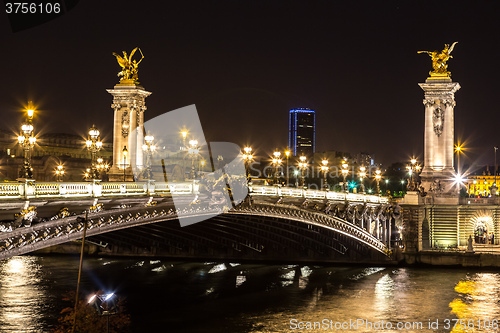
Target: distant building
pixel 364 159
pixel 301 125
pixel 480 183
pixel 51 150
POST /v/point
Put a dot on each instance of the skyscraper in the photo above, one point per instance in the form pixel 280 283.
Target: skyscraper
pixel 301 125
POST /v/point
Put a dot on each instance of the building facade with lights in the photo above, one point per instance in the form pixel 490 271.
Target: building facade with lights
pixel 302 131
pixel 480 184
pixel 50 151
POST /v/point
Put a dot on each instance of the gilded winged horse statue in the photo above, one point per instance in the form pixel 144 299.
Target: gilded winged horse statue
pixel 439 59
pixel 129 67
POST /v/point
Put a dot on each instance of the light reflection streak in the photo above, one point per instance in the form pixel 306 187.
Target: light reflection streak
pixel 480 301
pixel 21 298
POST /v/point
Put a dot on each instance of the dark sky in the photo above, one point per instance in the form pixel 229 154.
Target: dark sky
pixel 245 63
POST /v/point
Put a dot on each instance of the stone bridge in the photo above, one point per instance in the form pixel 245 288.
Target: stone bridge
pixel 141 219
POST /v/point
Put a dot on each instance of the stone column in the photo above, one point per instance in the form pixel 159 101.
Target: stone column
pixel 438 172
pixel 129 106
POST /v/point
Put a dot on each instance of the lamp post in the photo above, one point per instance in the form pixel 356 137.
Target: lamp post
pixel 201 166
pixel 94 144
pixel 247 158
pixel 287 155
pixel 193 152
pixel 27 140
pixel 378 177
pixel 60 173
pixel 302 166
pixel 276 162
pixel 362 175
pixel 125 153
pixel 345 172
pixel 105 305
pixel 458 150
pixel 148 148
pixel 324 168
pixel 184 135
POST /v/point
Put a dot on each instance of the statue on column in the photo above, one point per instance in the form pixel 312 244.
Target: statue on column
pixel 439 59
pixel 130 68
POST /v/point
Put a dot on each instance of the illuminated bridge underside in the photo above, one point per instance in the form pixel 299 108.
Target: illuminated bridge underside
pixel 260 232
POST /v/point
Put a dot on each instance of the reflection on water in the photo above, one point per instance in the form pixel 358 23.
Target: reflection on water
pixel 21 298
pixel 232 297
pixel 479 303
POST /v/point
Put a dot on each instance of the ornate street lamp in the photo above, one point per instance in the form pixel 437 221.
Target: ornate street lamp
pixel 287 154
pixel 125 153
pixel 362 175
pixel 184 134
pixel 413 169
pixel 324 168
pixel 27 140
pixel 247 158
pixel 193 152
pixel 148 148
pixel 276 163
pixel 94 144
pixel 378 177
pixel 60 173
pixel 302 166
pixel 345 172
pixel 101 166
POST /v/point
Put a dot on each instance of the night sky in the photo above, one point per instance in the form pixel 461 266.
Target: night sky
pixel 245 63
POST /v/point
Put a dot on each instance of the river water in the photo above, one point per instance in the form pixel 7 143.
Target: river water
pixel 168 296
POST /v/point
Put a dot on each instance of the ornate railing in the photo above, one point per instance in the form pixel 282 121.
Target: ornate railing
pixel 315 194
pixel 32 189
pixel 318 218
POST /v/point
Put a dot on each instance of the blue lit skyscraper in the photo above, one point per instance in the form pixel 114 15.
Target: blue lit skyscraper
pixel 301 125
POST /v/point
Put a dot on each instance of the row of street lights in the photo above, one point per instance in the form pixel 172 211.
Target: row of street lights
pixel 276 162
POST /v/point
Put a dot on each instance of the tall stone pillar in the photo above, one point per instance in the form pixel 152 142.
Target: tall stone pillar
pixel 129 106
pixel 438 173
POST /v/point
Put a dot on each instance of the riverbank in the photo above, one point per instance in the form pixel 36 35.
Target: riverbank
pixel 455 258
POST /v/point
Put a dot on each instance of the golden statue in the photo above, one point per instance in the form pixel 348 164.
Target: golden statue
pixel 439 60
pixel 129 67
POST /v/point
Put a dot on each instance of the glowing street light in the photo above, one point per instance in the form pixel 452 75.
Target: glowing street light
pixel 324 167
pixel 94 144
pixel 276 161
pixel 378 177
pixel 193 152
pixel 345 172
pixel 27 140
pixel 247 158
pixel 413 169
pixel 459 149
pixel 287 155
pixel 302 166
pixel 184 134
pixel 362 175
pixel 105 304
pixel 59 173
pixel 125 153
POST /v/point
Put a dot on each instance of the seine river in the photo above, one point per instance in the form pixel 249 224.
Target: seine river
pixel 168 296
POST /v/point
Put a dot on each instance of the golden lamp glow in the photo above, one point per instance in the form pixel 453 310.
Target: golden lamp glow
pixel 287 153
pixel 184 134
